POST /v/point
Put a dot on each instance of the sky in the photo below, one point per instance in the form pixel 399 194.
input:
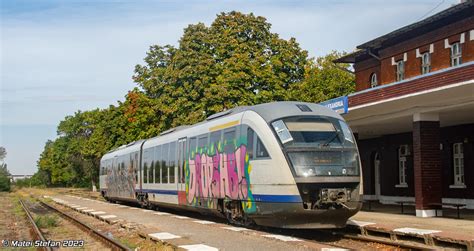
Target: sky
pixel 58 57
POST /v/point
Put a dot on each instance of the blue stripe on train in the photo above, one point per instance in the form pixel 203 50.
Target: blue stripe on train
pixel 277 198
pixel 257 197
pixel 160 191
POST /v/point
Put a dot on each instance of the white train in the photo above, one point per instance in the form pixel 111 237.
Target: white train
pixel 281 164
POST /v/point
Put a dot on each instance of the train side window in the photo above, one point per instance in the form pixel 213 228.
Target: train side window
pixel 215 138
pixel 147 157
pixel 130 164
pixel 229 136
pixel 157 164
pixel 136 168
pixel 164 163
pixel 172 162
pixel 202 141
pixel 145 173
pixel 192 144
pixel 152 171
pixel 261 150
pixel 250 137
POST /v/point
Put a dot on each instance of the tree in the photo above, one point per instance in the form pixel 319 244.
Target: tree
pixel 3 153
pixel 236 61
pixel 324 80
pixel 4 173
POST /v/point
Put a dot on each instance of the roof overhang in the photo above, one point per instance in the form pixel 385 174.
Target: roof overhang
pixel 450 15
pixel 352 57
pixel 453 103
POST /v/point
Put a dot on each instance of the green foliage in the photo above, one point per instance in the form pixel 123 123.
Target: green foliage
pixel 39 179
pixel 324 80
pixel 4 177
pixel 235 61
pixel 46 221
pixel 3 153
pixel 4 183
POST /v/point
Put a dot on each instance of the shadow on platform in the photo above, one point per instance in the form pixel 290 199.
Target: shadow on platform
pixel 409 209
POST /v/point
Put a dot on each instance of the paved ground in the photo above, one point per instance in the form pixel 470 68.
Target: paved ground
pixel 388 218
pixel 185 231
pixel 461 226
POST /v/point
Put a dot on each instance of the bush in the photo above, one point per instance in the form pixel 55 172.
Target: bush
pixel 4 183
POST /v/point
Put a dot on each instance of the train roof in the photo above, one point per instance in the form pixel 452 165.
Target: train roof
pixel 275 110
pixel 268 111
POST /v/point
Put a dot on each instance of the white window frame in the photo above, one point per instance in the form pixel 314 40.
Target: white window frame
pixel 458 166
pixel 373 80
pixel 425 63
pixel 400 70
pixel 456 54
pixel 403 152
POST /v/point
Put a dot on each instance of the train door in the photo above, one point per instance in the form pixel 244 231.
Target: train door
pixel 181 164
pixel 115 168
pixel 135 171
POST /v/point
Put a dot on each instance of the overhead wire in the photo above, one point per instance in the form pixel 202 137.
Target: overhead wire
pixel 429 12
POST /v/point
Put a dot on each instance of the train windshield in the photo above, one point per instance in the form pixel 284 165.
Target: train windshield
pixel 318 146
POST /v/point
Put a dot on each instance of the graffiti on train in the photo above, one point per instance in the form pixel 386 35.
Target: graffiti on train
pixel 220 171
pixel 121 181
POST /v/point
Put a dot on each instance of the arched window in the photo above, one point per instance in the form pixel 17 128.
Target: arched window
pixel 400 70
pixel 373 80
pixel 456 54
pixel 425 63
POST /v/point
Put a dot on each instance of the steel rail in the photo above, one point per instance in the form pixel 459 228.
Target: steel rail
pixel 36 231
pixel 417 246
pixel 115 245
pixel 358 237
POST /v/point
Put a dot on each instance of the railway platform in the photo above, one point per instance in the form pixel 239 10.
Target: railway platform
pixel 388 221
pixel 382 224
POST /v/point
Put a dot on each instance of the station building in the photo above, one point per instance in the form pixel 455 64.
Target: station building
pixel 413 111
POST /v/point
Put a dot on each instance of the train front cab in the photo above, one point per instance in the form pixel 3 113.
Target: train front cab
pixel 313 174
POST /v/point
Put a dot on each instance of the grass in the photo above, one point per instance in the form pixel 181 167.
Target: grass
pixel 127 243
pixel 18 209
pixel 46 221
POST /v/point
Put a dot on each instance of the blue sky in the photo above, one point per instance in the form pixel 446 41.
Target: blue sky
pixel 58 57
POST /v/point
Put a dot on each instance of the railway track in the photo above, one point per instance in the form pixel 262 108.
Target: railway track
pixel 35 231
pixel 102 238
pixel 376 241
pixel 373 239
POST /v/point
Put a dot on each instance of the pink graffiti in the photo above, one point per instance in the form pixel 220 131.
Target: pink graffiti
pixel 218 176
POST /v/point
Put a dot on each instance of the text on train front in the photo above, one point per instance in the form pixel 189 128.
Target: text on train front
pixel 320 147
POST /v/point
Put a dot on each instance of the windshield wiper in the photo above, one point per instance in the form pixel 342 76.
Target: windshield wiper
pixel 331 139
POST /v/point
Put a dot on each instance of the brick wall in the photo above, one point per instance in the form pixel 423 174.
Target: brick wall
pixel 427 163
pixel 387 147
pixel 440 57
pixel 449 136
pixel 364 72
pixel 452 76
